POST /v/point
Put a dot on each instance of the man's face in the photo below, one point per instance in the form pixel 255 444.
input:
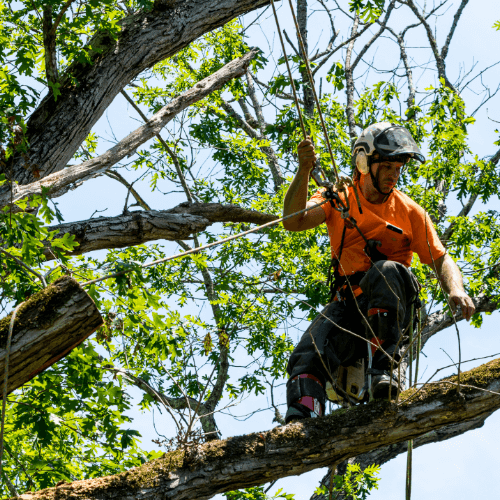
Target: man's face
pixel 387 174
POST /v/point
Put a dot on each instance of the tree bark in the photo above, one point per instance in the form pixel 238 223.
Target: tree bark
pixel 386 453
pixel 47 327
pixel 57 128
pixel 59 183
pixel 203 471
pixel 135 228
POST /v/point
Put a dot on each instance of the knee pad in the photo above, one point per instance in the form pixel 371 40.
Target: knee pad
pixel 306 390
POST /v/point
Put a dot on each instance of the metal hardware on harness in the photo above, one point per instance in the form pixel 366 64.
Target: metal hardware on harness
pixel 369 376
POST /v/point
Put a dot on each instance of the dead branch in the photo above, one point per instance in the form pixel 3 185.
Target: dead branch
pixel 139 227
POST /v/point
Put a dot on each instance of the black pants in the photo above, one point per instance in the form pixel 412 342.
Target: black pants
pixel 387 285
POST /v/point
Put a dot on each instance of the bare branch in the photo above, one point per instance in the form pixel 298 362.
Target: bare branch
pixel 140 227
pixel 169 151
pixel 446 46
pixel 118 177
pixel 383 25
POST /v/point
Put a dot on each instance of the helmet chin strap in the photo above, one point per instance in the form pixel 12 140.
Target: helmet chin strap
pixel 375 182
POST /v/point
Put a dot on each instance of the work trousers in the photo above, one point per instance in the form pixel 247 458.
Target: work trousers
pixel 329 340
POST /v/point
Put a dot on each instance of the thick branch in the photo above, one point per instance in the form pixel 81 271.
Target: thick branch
pixel 48 326
pixel 255 459
pixel 441 319
pixel 59 183
pixel 140 227
pixel 49 45
pixel 386 453
pixel 57 128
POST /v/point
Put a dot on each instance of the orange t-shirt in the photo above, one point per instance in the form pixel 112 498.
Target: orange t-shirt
pixel 418 233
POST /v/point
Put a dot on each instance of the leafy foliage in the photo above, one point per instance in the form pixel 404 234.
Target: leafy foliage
pixel 355 483
pixel 174 326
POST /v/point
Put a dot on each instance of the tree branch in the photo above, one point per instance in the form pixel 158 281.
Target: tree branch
pixel 446 46
pixel 117 177
pixel 140 227
pixel 376 35
pixel 468 206
pixel 386 453
pixel 254 459
pixel 56 129
pixel 59 183
pixel 207 417
pixel 169 151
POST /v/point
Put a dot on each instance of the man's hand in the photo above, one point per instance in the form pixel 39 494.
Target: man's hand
pixel 307 155
pixel 460 298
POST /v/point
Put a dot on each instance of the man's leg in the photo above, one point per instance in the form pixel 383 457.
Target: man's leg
pixel 322 348
pixel 390 288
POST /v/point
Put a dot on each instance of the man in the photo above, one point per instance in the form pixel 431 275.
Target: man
pixel 372 280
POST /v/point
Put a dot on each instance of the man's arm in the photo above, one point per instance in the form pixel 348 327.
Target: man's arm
pixel 296 196
pixel 451 279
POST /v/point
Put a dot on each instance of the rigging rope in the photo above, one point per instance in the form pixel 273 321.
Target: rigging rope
pixel 205 247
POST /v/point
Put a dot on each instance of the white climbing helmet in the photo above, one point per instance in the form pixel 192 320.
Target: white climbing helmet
pixel 386 139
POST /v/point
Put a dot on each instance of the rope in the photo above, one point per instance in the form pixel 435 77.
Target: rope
pixel 6 377
pixel 311 82
pixel 313 89
pixel 205 247
pixel 292 83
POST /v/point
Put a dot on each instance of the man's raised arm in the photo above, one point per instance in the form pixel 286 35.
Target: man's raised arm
pixel 296 196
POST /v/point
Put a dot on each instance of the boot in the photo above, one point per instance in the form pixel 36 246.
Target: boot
pixel 305 398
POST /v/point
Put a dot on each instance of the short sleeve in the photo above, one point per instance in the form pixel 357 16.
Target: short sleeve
pixel 426 242
pixel 318 198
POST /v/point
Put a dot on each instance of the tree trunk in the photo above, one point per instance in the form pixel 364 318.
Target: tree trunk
pixel 202 471
pixel 47 327
pixel 59 183
pixel 135 228
pixel 57 128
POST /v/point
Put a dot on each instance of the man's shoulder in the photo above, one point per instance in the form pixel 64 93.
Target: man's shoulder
pixel 403 199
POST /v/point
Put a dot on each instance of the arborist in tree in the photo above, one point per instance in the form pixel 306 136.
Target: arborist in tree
pixel 370 267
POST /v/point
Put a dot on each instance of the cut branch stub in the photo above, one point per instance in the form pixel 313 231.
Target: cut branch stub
pixel 202 471
pixel 47 327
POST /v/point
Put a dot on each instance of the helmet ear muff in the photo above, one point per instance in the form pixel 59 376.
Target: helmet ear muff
pixel 362 162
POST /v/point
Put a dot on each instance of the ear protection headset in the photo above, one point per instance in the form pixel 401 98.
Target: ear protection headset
pixel 362 162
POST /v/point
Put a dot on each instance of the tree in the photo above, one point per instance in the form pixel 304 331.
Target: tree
pixel 177 331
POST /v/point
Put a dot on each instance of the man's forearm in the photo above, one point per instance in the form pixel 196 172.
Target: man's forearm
pixel 449 274
pixel 296 196
pixel 451 279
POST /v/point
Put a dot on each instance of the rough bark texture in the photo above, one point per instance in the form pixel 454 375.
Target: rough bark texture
pixel 135 228
pixel 203 471
pixel 46 328
pixel 59 183
pixel 57 128
pixel 386 453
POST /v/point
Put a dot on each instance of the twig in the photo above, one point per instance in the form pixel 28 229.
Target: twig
pixel 21 263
